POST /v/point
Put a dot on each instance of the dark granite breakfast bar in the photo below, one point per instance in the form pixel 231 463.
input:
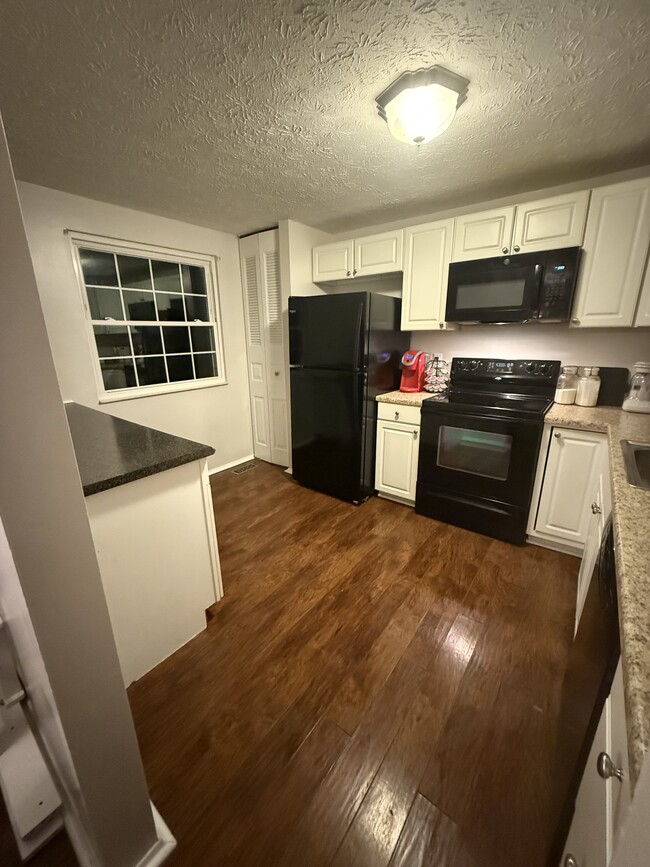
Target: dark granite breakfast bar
pixel 111 451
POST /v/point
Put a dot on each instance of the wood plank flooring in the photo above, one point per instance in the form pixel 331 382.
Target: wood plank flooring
pixel 376 689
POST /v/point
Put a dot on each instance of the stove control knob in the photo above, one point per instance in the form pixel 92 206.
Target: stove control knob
pixel 543 368
pixel 531 367
pixel 473 364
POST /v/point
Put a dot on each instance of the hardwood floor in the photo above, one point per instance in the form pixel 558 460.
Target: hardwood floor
pixel 376 688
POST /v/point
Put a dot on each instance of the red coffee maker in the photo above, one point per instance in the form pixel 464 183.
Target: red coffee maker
pixel 413 370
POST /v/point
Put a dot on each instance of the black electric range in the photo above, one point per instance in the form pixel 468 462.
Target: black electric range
pixel 479 445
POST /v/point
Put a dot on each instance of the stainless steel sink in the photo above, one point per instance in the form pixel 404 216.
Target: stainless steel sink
pixel 636 457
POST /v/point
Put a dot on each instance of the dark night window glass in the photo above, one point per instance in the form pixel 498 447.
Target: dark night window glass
pixel 146 339
pixel 98 268
pixel 205 365
pixel 180 367
pixel 151 370
pixel 194 279
pixel 118 373
pixel 197 308
pixel 134 272
pixel 104 303
pixel 202 338
pixel 177 338
pixel 112 340
pixel 139 305
pixel 166 276
pixel 170 307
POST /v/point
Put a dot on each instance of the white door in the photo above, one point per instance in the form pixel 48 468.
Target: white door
pixel 332 261
pixel 570 479
pixel 587 840
pixel 274 347
pixel 481 236
pixel 614 254
pixel 397 459
pixel 427 254
pixel 253 307
pixel 378 254
pixel 643 310
pixel 589 555
pixel 621 790
pixel 551 223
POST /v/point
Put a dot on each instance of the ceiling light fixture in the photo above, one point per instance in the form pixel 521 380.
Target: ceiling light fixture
pixel 420 105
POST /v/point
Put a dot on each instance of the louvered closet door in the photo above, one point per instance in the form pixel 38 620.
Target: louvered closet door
pixel 257 367
pixel 274 345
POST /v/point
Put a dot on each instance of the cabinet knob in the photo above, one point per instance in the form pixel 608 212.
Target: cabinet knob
pixel 607 768
pixel 415 434
pixel 570 861
pixel 441 325
pixel 354 272
pixel 348 273
pixel 557 435
pixel 516 248
pixel 575 321
pixel 505 250
pixel 396 416
pixel 596 510
pixel 277 373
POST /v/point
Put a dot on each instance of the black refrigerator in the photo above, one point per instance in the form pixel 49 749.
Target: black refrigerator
pixel 345 349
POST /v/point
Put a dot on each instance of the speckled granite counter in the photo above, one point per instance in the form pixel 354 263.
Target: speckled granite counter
pixel 631 518
pixel 111 452
pixel 404 398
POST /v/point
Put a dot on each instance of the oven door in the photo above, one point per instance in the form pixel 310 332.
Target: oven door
pixel 494 290
pixel 477 471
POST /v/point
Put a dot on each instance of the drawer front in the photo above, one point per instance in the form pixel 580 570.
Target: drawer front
pixel 398 412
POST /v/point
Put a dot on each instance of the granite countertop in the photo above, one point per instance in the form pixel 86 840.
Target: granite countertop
pixel 404 398
pixel 631 519
pixel 111 452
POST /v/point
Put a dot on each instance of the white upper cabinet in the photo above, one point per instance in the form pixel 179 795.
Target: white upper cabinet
pixel 378 254
pixel 427 254
pixel 481 236
pixel 359 257
pixel 550 224
pixel 614 255
pixel 643 310
pixel 333 261
pixel 547 224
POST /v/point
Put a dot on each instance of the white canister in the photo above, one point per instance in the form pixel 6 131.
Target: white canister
pixel 588 387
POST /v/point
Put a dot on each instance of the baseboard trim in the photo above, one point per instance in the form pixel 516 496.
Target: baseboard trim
pixel 231 464
pixel 164 845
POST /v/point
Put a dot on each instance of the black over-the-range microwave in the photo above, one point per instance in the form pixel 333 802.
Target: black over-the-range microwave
pixel 529 287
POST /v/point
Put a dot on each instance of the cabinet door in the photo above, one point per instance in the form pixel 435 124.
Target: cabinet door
pixel 551 223
pixel 614 255
pixel 570 479
pixel 378 254
pixel 332 261
pixel 480 236
pixel 427 255
pixel 621 790
pixel 587 840
pixel 397 459
pixel 643 310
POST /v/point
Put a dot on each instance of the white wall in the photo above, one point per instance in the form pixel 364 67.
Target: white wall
pixel 218 416
pixel 51 592
pixel 604 347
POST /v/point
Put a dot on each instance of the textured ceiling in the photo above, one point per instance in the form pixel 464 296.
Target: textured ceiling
pixel 239 113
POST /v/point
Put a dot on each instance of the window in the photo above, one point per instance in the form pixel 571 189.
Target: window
pixel 153 318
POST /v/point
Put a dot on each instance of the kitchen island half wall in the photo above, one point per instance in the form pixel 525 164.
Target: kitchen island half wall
pixel 150 511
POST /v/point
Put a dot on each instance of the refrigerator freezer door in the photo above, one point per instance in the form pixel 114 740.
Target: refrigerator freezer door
pixel 328 429
pixel 328 332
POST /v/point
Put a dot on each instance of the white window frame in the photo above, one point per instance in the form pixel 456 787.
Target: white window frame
pixel 119 246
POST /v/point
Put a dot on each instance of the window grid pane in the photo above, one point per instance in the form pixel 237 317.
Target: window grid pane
pixel 141 368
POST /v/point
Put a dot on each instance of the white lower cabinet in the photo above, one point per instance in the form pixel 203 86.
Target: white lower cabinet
pixel 398 442
pixel 570 465
pixel 602 804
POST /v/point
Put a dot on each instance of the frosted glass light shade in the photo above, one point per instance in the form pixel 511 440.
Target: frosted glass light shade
pixel 419 114
pixel 420 105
